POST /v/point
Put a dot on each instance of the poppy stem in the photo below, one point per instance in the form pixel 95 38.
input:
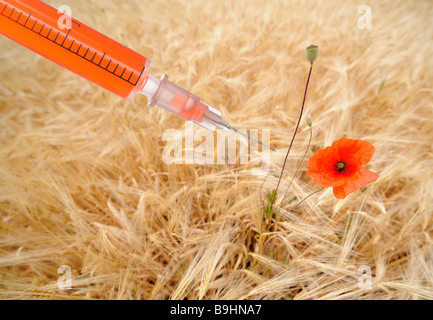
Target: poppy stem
pixel 299 165
pixel 308 197
pixel 296 129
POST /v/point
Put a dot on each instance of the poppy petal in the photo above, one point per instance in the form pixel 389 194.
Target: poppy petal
pixel 321 168
pixel 356 151
pixel 339 193
pixel 353 154
pixel 363 177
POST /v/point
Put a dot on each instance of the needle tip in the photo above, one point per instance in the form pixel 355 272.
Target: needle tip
pixel 252 139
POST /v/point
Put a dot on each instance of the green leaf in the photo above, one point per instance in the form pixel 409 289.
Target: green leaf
pixel 271 196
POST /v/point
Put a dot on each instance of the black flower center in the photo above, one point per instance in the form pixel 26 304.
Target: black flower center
pixel 340 166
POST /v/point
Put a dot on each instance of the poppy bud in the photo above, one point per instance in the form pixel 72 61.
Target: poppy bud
pixel 311 53
pixel 309 121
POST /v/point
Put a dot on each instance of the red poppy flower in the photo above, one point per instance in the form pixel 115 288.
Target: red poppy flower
pixel 340 166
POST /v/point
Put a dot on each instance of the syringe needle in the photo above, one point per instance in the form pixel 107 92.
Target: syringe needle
pixel 251 138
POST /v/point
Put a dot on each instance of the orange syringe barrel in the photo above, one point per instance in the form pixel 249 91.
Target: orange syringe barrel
pixel 77 47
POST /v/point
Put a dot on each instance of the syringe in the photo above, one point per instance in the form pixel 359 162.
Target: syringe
pixel 101 60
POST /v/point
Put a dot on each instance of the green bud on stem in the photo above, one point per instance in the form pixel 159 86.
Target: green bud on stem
pixel 309 121
pixel 311 53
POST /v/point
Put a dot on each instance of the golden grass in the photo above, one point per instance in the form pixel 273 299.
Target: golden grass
pixel 82 181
